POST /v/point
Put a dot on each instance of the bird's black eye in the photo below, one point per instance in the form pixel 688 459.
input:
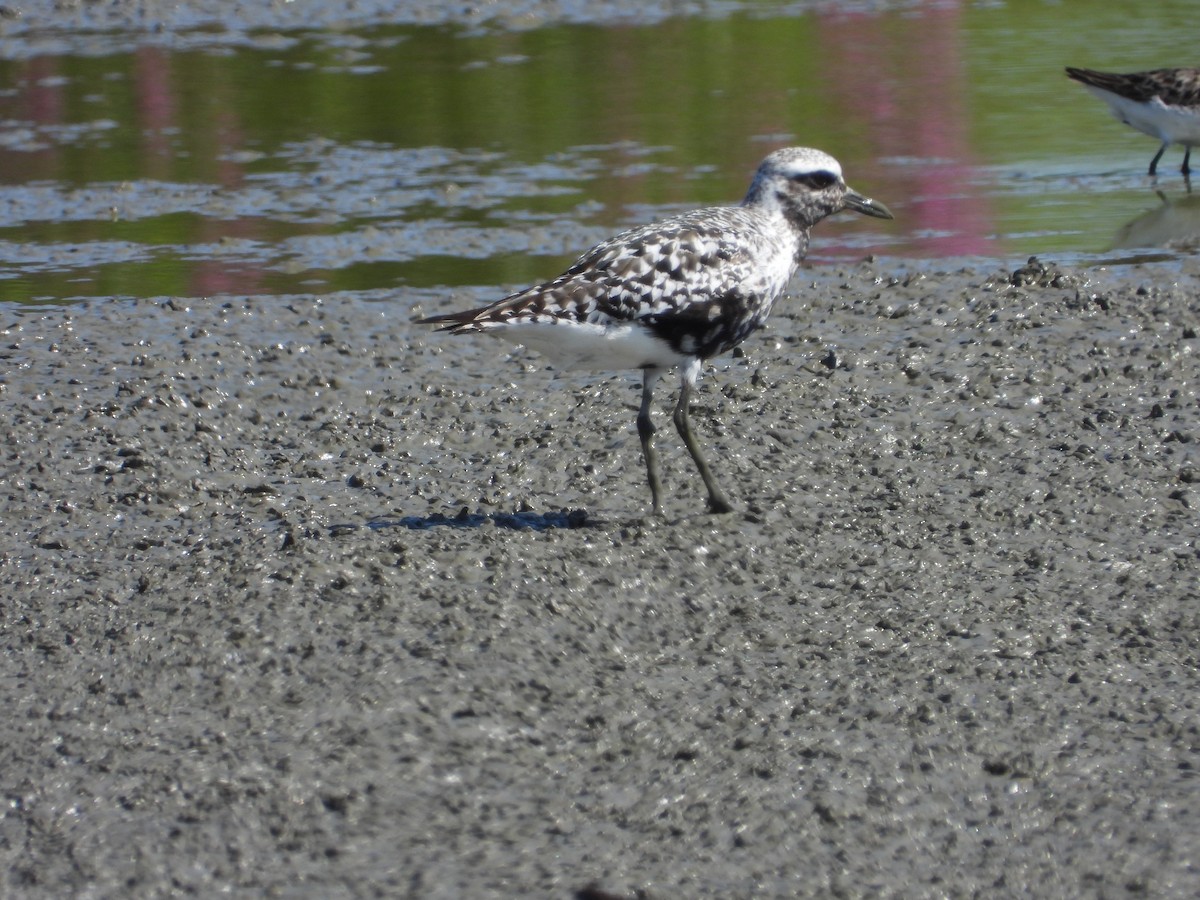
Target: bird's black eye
pixel 818 181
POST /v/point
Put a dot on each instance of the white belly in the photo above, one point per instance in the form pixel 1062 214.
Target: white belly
pixel 1170 124
pixel 580 345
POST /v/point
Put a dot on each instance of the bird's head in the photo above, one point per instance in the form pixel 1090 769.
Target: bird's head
pixel 806 185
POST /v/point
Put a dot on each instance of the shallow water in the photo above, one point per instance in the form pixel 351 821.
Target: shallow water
pixel 456 155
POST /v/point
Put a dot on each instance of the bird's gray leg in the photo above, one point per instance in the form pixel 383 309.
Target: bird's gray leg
pixel 716 500
pixel 1187 155
pixel 646 433
pixel 1157 157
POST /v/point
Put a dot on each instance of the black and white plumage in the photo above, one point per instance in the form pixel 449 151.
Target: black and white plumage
pixel 677 292
pixel 1163 103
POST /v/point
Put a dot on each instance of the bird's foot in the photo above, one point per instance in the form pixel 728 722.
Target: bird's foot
pixel 719 505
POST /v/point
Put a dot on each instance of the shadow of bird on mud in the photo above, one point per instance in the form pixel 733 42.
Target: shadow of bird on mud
pixel 517 521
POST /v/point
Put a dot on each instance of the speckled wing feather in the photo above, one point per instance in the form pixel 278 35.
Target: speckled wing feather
pixel 1174 87
pixel 701 281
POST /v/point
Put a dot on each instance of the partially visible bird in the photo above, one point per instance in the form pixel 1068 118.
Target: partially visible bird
pixel 677 292
pixel 1163 103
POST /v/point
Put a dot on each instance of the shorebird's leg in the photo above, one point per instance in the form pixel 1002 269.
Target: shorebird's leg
pixel 1187 155
pixel 645 429
pixel 1157 157
pixel 716 500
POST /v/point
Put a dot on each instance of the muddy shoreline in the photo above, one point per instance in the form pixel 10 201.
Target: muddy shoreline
pixel 946 646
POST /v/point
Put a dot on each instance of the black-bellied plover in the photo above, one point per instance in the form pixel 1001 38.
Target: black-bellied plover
pixel 677 292
pixel 1163 103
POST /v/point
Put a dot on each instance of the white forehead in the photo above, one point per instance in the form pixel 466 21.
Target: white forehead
pixel 799 160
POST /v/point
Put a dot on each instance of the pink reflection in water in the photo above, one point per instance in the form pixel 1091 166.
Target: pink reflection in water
pixel 891 105
pixel 156 109
pixel 159 119
pixel 906 93
pixel 40 99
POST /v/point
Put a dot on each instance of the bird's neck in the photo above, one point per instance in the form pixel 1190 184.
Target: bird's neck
pixel 768 203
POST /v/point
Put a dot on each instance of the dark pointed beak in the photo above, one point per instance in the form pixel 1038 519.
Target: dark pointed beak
pixel 866 205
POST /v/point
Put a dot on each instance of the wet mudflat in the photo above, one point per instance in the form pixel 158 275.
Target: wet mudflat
pixel 947 645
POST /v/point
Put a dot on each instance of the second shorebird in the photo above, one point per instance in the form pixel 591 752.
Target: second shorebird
pixel 1163 103
pixel 677 292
